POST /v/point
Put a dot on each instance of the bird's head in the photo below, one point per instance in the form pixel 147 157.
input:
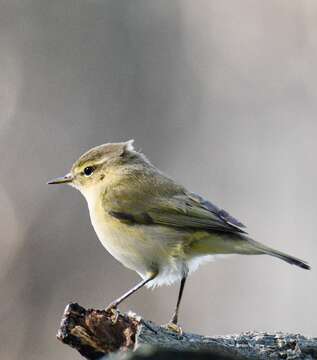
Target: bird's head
pixel 97 167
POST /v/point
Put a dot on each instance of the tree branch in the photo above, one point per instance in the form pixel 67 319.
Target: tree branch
pixel 95 333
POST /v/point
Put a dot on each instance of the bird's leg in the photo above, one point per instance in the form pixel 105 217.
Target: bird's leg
pixel 172 325
pixel 115 303
pixel 174 319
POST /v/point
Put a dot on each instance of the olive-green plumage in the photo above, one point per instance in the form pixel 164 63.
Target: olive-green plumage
pixel 150 223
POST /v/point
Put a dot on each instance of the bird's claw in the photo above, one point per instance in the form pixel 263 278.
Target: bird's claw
pixel 112 308
pixel 173 328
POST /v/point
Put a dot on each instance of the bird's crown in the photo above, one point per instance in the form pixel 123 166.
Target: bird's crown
pixel 102 153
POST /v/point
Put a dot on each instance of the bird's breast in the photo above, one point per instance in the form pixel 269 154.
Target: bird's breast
pixel 132 245
pixel 141 248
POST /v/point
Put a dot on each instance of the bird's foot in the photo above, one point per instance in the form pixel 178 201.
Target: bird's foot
pixel 171 326
pixel 113 310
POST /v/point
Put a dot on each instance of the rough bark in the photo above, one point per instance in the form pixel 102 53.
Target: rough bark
pixel 97 333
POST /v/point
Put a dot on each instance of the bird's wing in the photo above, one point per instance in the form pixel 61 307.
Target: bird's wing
pixel 221 213
pixel 181 210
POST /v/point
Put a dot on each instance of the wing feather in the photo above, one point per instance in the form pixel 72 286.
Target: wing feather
pixel 181 210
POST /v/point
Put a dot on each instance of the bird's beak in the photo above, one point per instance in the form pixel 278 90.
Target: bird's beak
pixel 68 178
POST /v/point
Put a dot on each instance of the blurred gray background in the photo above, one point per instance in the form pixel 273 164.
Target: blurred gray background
pixel 220 95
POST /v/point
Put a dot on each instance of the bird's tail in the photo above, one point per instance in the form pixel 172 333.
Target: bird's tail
pixel 240 244
pixel 278 254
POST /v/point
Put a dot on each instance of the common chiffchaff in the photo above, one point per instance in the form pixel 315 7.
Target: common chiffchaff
pixel 150 223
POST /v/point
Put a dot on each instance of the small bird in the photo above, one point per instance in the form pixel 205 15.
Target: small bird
pixel 153 225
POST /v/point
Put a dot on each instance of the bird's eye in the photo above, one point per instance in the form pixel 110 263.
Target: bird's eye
pixel 88 170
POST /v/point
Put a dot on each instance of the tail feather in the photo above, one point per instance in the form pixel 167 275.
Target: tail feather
pixel 289 259
pixel 280 255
